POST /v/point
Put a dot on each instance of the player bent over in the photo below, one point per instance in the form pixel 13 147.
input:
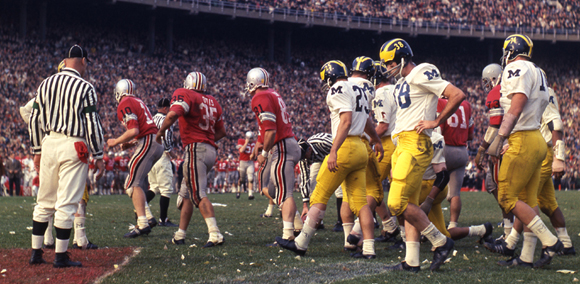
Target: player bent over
pixel 201 125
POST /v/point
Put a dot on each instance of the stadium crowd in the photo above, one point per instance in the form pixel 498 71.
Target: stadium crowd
pixel 24 64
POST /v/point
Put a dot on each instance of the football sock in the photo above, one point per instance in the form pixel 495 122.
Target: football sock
pixel 288 230
pixel 368 247
pixel 338 205
pixel 390 225
pixel 539 228
pixel 250 192
pixel 48 238
pixel 347 228
pixel 563 237
pixel 80 237
pixel 356 229
pixel 62 237
pixel 528 248
pixel 476 231
pixel 37 241
pixel 269 210
pixel 435 237
pixel 412 253
pixel 179 235
pixel 298 224
pixel 309 229
pixel 507 226
pixel 142 222
pixel 452 225
pixel 403 236
pixel 163 207
pixel 212 228
pixel 148 212
pixel 38 230
pixel 512 239
pixel 149 195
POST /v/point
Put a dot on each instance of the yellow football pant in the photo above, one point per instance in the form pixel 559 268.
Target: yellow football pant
pixel 546 190
pixel 352 161
pixel 385 163
pixel 411 158
pixel 86 194
pixel 374 187
pixel 436 213
pixel 520 169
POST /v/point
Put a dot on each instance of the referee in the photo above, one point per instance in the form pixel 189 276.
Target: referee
pixel 64 117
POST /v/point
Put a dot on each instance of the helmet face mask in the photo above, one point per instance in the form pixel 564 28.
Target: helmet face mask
pixel 125 87
pixel 514 46
pixel 398 51
pixel 380 73
pixel 195 81
pixel 257 78
pixel 331 71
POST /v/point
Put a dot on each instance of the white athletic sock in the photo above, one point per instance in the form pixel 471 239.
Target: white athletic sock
pixel 476 231
pixel 179 235
pixel 298 224
pixel 390 225
pixel 148 212
pixel 288 230
pixel 538 227
pixel 269 210
pixel 356 228
pixel 213 230
pixel 48 238
pixel 563 237
pixel 37 241
pixel 412 253
pixel 403 236
pixel 528 248
pixel 507 226
pixel 368 247
pixel 250 192
pixel 512 239
pixel 60 245
pixel 80 238
pixel 452 225
pixel 347 228
pixel 314 216
pixel 435 237
pixel 142 222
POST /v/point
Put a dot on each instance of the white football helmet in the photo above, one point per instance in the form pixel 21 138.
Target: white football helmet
pixel 257 78
pixel 249 135
pixel 125 87
pixel 195 81
pixel 490 76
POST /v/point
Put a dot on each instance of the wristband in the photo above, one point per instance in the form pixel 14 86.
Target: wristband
pixel 560 150
pixel 264 154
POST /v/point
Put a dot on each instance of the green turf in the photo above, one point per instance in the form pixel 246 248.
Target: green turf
pixel 245 258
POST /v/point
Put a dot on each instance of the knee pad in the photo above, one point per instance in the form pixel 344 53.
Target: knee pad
pixel 251 179
pixel 130 192
pixel 179 202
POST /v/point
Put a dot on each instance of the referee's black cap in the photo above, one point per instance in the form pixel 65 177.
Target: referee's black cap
pixel 164 102
pixel 76 51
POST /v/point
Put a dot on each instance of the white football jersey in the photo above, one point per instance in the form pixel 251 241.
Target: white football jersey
pixel 345 96
pixel 551 113
pixel 438 156
pixel 416 95
pixel 369 90
pixel 385 107
pixel 525 77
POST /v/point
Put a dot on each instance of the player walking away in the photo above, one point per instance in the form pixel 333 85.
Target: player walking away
pixel 161 174
pixel 232 171
pixel 109 160
pixel 201 125
pixel 491 77
pixel 457 130
pixel 221 175
pixel 346 162
pixel 122 166
pixel 141 129
pixel 280 152
pixel 524 99
pixel 245 148
pixel 416 91
pixel 63 172
pixel 385 111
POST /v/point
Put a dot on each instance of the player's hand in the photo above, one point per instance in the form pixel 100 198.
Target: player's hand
pixel 100 165
pixel 304 211
pixel 558 168
pixel 37 163
pixel 332 164
pixel 112 143
pixel 496 146
pixel 479 157
pixel 261 160
pixel 425 124
pixel 160 134
pixel 379 151
pixel 426 205
pixel 128 145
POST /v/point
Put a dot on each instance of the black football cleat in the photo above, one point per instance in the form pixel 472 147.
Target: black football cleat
pixel 515 262
pixel 167 223
pixel 138 232
pixel 211 244
pixel 289 245
pixel 89 246
pixel 63 260
pixel 251 197
pixel 178 242
pixel 338 227
pixel 399 244
pixel 500 248
pixel 265 215
pixel 36 257
pixel 388 237
pixel 353 239
pixel 49 246
pixel 568 251
pixel 548 253
pixel 486 238
pixel 152 223
pixel 403 266
pixel 440 254
pixel 237 195
pixel 361 255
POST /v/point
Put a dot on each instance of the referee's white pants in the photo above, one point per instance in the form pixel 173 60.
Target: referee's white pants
pixel 62 180
pixel 161 176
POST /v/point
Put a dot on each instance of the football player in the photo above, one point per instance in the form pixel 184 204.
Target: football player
pixel 141 129
pixel 524 99
pixel 416 92
pixel 280 152
pixel 346 162
pixel 245 148
pixel 201 125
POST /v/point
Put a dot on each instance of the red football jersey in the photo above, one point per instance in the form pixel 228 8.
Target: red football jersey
pixel 109 163
pixel 199 116
pixel 271 114
pixel 133 113
pixel 245 156
pixel 232 166
pixel 222 166
pixel 493 106
pixel 458 126
pixel 121 164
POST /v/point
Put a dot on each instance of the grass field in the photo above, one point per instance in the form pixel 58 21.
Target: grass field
pixel 245 258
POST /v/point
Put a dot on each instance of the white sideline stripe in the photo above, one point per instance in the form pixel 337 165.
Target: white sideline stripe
pixel 136 251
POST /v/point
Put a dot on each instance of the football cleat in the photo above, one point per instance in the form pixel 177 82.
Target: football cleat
pixel 403 266
pixel 167 223
pixel 152 223
pixel 36 257
pixel 399 244
pixel 63 260
pixel 514 262
pixel 265 215
pixel 440 254
pixel 353 239
pixel 567 251
pixel 210 244
pixel 548 253
pixel 138 232
pixel 237 195
pixel 177 242
pixel 338 227
pixel 290 245
pixel 273 245
pixel 500 248
pixel 388 237
pixel 251 197
pixel 51 246
pixel 89 246
pixel 486 238
pixel 361 255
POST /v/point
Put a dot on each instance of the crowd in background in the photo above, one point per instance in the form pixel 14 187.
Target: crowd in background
pixel 24 64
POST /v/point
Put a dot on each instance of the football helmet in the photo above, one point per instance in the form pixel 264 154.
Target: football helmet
pixel 516 45
pixel 331 71
pixel 195 81
pixel 249 135
pixel 363 64
pixel 380 73
pixel 399 51
pixel 61 66
pixel 490 76
pixel 125 87
pixel 257 78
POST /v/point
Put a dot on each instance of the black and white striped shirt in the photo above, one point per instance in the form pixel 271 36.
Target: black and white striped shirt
pixel 168 139
pixel 67 104
pixel 321 144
